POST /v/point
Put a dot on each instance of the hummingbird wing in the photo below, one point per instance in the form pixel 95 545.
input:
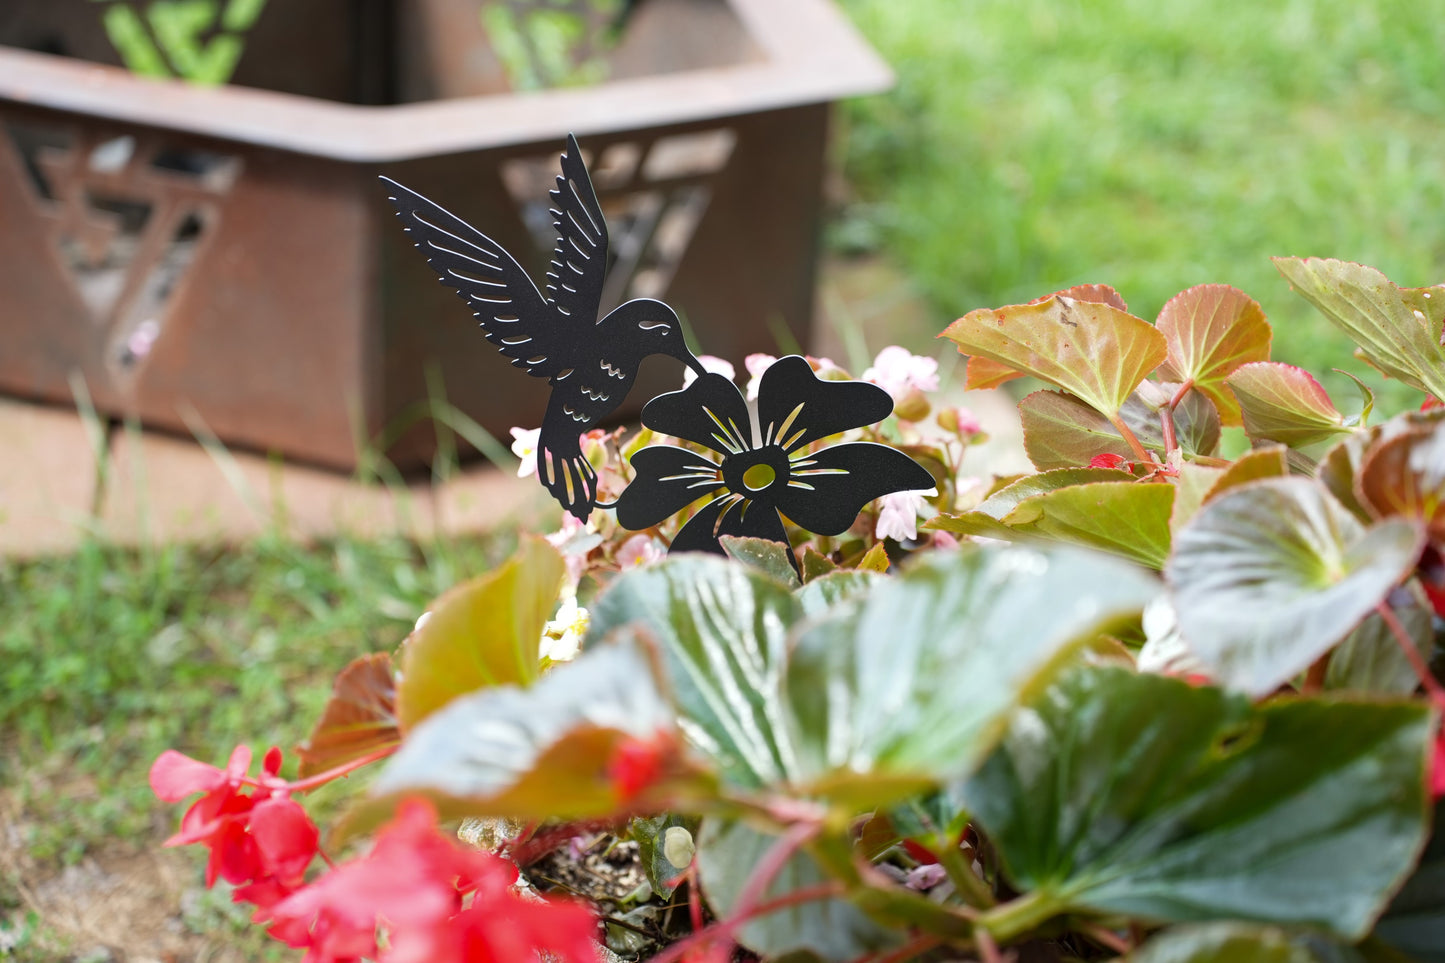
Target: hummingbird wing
pixel 579 262
pixel 538 336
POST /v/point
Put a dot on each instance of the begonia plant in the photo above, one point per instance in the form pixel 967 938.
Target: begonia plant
pixel 1152 702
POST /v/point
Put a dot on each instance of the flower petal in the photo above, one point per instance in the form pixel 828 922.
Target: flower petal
pixel 710 411
pixel 668 480
pixel 841 480
pixel 174 776
pixel 702 531
pixel 796 407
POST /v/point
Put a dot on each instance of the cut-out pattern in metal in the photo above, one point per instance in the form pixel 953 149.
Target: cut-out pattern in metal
pixel 590 363
pixel 766 467
pixel 127 216
pixel 653 193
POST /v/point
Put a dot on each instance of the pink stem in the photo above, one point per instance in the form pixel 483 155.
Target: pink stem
pixel 725 927
pixel 771 865
pixel 987 948
pixel 1417 661
pixel 321 779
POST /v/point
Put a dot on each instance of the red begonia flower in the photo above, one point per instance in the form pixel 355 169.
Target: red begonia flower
pixel 174 775
pixel 412 882
pixel 637 763
pixel 503 927
pixel 1108 460
pixel 286 838
pixel 1437 767
pixel 263 839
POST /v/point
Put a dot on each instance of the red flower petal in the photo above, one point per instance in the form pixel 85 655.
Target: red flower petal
pixel 1108 460
pixel 271 762
pixel 1437 767
pixel 635 764
pixel 286 837
pixel 174 776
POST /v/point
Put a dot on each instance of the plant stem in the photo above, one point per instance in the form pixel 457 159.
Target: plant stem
pixel 974 891
pixel 321 779
pixel 1107 938
pixel 987 948
pixel 771 865
pixel 907 951
pixel 1179 395
pixel 694 896
pixel 1315 677
pixel 1417 661
pixel 1166 423
pixel 1013 919
pixel 724 928
pixel 1139 453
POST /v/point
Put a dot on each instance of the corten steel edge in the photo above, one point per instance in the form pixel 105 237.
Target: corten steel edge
pixel 270 291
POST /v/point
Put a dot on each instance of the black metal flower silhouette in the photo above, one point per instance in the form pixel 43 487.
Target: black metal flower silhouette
pixel 766 469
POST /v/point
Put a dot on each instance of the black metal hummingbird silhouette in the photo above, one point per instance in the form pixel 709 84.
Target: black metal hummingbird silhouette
pixel 590 363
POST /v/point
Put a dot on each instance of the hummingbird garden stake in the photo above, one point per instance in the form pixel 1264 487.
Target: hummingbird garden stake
pixel 590 363
pixel 764 468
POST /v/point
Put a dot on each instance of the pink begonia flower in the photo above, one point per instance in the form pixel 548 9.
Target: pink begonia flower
pixel 524 446
pixel 756 365
pixel 897 371
pixel 640 549
pixel 898 514
pixel 711 365
pixel 575 560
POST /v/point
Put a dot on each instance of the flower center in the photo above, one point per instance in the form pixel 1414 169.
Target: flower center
pixel 759 476
pixel 754 473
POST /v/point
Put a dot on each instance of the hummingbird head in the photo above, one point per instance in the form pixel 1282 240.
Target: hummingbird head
pixel 655 329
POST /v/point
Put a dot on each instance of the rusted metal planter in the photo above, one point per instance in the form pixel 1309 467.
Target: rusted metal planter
pixel 226 253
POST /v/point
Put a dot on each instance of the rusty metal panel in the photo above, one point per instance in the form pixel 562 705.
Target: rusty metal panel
pixel 228 251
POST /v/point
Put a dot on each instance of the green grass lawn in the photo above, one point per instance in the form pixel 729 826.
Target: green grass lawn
pixel 110 656
pixel 1036 144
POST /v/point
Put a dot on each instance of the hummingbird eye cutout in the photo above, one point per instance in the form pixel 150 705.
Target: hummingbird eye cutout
pixel 759 468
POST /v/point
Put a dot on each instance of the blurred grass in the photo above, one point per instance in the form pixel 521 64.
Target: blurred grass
pixel 112 655
pixel 1035 144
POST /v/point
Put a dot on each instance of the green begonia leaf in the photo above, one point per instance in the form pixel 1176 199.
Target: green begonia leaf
pixel 825 929
pixel 1370 658
pixel 902 688
pixel 1060 431
pixel 836 588
pixel 1146 797
pixel 723 632
pixel 1267 462
pixel 1405 475
pixel 765 555
pixel 484 632
pixel 541 752
pixel 1091 350
pixel 1415 922
pixel 1271 575
pixel 1397 329
pixel 1098 508
pixel 650 832
pixel 1191 487
pixel 1228 942
pixel 1211 330
pixel 1285 404
pixel 815 564
pixel 914 684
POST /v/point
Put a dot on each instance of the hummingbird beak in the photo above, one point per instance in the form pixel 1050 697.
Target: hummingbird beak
pixel 695 364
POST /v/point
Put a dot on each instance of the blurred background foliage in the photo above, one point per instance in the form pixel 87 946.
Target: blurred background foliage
pixel 1031 145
